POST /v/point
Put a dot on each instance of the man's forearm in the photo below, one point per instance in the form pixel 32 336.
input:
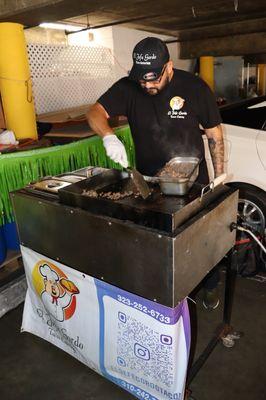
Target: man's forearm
pixel 216 146
pixel 98 120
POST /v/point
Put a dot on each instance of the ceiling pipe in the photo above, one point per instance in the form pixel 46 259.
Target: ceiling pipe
pixel 124 21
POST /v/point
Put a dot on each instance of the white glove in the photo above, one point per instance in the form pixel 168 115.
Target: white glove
pixel 115 150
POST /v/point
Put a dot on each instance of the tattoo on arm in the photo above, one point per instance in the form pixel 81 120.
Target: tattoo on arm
pixel 216 147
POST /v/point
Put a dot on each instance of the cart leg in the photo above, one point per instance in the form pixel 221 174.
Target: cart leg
pixel 229 336
pixel 229 286
pixel 188 395
pixel 224 331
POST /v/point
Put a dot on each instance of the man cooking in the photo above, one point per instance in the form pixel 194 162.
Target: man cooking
pixel 165 108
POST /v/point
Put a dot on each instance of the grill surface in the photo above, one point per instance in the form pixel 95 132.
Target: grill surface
pixel 158 249
pixel 159 211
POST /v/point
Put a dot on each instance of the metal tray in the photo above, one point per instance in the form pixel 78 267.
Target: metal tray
pixel 189 166
pixel 49 185
pixel 69 177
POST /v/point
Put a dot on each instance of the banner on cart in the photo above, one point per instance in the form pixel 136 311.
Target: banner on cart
pixel 138 344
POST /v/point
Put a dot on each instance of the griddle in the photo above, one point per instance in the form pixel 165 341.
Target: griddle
pixel 159 248
pixel 158 211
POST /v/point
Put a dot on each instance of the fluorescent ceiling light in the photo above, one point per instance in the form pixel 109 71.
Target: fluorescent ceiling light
pixel 64 27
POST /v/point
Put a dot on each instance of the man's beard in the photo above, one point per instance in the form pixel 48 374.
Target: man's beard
pixel 154 91
pixel 151 91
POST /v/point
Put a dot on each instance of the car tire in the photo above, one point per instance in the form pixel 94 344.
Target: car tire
pixel 254 201
pixel 253 197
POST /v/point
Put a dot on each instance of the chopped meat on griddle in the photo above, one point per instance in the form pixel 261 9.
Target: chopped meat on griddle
pixel 109 195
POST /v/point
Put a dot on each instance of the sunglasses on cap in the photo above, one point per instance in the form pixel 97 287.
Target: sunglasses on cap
pixel 156 81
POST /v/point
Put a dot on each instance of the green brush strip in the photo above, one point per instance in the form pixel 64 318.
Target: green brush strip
pixel 20 168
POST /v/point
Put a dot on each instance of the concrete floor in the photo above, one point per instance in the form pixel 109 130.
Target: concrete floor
pixel 31 368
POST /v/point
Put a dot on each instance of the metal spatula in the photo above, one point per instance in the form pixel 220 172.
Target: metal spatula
pixel 139 182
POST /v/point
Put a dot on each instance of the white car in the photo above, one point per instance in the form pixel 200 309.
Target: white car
pixel 244 126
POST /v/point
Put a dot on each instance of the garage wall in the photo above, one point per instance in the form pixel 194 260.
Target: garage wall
pixel 93 38
pixel 231 78
pixel 119 40
pixel 68 71
pixel 45 36
pixel 68 76
pixel 124 42
pixel 228 76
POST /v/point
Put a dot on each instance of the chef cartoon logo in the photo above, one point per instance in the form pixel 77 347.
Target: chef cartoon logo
pixel 176 103
pixel 56 291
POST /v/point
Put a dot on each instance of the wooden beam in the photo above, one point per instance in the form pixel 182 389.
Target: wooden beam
pixel 219 30
pixel 255 58
pixel 236 45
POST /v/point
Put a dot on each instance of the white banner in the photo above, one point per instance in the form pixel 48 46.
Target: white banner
pixel 138 344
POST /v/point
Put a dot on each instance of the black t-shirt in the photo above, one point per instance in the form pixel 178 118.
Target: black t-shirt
pixel 165 125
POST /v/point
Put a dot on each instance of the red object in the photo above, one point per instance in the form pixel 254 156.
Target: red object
pixel 7 147
pixel 54 300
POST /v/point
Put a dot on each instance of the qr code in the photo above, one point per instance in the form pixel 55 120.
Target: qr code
pixel 144 350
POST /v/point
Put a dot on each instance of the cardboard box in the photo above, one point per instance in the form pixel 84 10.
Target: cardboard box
pixel 66 115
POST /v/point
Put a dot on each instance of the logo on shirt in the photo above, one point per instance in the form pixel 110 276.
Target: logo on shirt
pixel 176 103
